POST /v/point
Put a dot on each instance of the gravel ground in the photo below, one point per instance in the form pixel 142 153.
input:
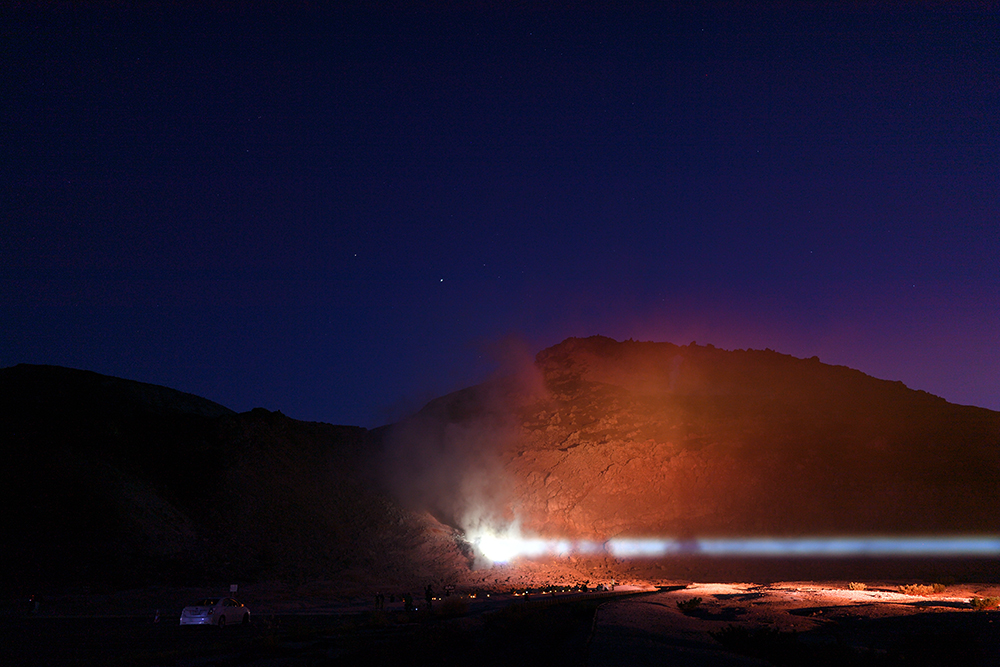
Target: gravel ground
pixel 796 623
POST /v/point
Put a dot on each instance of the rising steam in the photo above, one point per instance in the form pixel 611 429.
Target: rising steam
pixel 447 459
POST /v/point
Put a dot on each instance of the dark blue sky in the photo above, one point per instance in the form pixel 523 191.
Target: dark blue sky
pixel 338 213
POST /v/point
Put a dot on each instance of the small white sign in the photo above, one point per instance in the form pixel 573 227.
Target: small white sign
pixel 233 587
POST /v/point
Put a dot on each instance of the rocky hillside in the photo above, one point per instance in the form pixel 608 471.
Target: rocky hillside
pixel 109 481
pixel 603 438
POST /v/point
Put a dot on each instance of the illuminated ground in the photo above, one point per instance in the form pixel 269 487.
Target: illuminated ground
pixel 797 623
pixel 676 623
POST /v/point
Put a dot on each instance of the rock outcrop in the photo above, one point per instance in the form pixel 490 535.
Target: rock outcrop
pixel 632 438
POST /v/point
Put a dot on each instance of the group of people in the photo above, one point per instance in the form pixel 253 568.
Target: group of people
pixel 406 598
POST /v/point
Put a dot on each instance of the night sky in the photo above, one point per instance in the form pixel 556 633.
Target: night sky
pixel 341 214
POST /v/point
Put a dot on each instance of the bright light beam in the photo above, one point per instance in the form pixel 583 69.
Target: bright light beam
pixel 503 549
pixel 499 549
pixel 983 546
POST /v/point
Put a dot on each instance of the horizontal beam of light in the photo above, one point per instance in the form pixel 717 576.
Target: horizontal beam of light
pixel 810 546
pixel 503 549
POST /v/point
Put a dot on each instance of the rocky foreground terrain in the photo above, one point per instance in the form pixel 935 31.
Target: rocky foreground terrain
pixel 113 483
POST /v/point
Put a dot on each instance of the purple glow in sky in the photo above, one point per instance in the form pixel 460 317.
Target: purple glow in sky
pixel 333 213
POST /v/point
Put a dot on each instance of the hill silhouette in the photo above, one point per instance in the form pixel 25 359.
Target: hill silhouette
pixel 114 482
pixel 111 481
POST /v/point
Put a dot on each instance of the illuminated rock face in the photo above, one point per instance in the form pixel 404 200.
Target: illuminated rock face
pixel 637 439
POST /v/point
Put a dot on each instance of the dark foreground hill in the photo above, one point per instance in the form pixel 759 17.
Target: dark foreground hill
pixel 109 481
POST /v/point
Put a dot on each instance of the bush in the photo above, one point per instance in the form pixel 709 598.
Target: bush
pixel 921 589
pixel 688 606
pixel 857 586
pixel 984 604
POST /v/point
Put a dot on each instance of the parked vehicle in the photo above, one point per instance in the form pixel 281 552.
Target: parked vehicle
pixel 215 611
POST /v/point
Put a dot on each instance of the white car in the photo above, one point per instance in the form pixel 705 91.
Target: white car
pixel 215 611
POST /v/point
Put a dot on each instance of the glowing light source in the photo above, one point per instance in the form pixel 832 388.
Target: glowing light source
pixel 498 549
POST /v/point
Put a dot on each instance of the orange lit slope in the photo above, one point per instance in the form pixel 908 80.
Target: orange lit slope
pixel 630 438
